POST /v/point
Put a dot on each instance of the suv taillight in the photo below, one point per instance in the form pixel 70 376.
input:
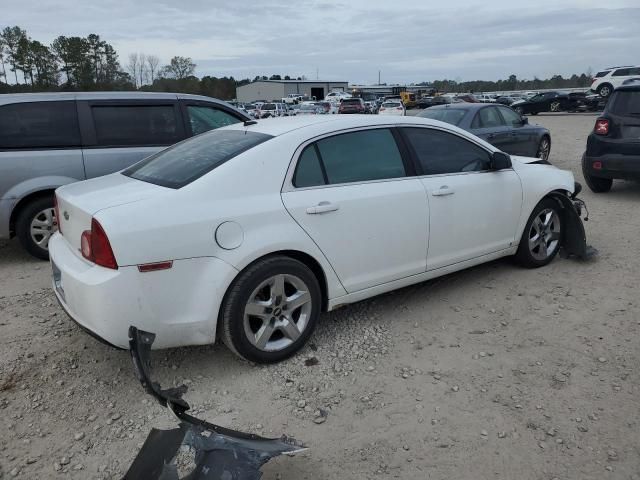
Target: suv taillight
pixel 58 220
pixel 95 246
pixel 602 127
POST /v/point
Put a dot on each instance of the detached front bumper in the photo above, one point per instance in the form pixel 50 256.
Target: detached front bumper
pixel 181 303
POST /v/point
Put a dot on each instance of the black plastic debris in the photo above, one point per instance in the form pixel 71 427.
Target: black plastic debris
pixel 209 451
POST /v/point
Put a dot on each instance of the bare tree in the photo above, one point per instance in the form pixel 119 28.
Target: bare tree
pixel 142 69
pixel 152 64
pixel 132 68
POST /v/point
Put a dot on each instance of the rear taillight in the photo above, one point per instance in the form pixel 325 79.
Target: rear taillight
pixel 602 127
pixel 56 210
pixel 95 246
pixel 597 165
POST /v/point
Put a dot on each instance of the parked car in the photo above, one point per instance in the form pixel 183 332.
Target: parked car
pixel 424 102
pixel 507 99
pixel 499 125
pixel 444 100
pixel 547 102
pixel 351 105
pixel 49 140
pixel 327 107
pixel 467 97
pixel 392 107
pixel 484 98
pixel 254 250
pixel 292 98
pixel 272 109
pixel 249 109
pixel 309 109
pixel 605 81
pixel 613 148
pixel 337 96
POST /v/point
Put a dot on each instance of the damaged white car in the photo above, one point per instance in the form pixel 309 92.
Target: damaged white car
pixel 248 232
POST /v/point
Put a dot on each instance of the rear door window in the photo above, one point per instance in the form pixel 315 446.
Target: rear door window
pixel 39 125
pixel 135 125
pixel 510 117
pixel 203 118
pixel 187 161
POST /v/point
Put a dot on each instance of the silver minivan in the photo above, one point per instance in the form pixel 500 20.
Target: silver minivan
pixel 50 139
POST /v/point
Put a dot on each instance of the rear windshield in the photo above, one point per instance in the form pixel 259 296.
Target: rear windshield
pixel 392 104
pixel 450 115
pixel 268 106
pixel 351 100
pixel 187 161
pixel 625 103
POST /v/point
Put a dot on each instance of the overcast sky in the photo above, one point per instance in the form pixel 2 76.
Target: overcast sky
pixel 409 41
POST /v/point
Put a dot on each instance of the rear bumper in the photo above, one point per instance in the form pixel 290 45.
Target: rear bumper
pixel 614 166
pixel 181 302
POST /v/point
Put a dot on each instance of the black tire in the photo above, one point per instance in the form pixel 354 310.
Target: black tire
pixel 533 113
pixel 232 321
pixel 23 226
pixel 519 110
pixel 544 148
pixel 596 184
pixel 605 90
pixel 554 106
pixel 525 255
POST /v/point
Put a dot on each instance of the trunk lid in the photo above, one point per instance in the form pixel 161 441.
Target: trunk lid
pixel 79 202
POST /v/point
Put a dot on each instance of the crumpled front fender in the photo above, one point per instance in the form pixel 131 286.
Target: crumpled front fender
pixel 574 238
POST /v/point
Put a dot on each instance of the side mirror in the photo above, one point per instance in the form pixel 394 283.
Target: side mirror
pixel 500 161
pixel 525 120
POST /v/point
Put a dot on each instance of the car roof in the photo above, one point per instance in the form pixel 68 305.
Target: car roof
pixel 321 124
pixel 47 97
pixel 465 106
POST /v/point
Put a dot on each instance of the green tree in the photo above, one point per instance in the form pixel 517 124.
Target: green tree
pixel 179 68
pixel 11 37
pixel 45 64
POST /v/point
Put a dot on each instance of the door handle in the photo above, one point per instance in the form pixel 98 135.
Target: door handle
pixel 442 191
pixel 322 207
pixel 491 135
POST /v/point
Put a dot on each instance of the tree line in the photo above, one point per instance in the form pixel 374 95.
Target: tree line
pixel 91 63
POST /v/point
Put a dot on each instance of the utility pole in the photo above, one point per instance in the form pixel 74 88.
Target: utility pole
pixel 317 73
pixel 378 77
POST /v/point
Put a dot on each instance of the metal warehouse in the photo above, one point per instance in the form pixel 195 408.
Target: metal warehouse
pixel 277 89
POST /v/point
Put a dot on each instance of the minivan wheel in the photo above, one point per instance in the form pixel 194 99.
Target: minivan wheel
pixel 604 90
pixel 542 235
pixel 596 184
pixel 35 224
pixel 271 310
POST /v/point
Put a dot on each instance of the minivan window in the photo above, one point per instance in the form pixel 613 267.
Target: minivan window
pixel 187 161
pixel 202 119
pixel 39 125
pixel 125 125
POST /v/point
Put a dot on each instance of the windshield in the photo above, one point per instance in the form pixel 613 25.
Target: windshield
pixel 450 115
pixel 187 161
pixel 269 106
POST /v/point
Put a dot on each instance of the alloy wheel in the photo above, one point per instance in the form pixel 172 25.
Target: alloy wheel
pixel 43 225
pixel 544 234
pixel 277 312
pixel 543 149
pixel 605 91
pixel 555 107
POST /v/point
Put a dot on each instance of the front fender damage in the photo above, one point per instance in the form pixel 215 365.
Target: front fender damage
pixel 574 238
pixel 219 452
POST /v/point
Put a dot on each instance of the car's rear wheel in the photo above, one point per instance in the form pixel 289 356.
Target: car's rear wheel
pixel 271 310
pixel 544 148
pixel 542 235
pixel 35 224
pixel 596 184
pixel 555 106
pixel 605 90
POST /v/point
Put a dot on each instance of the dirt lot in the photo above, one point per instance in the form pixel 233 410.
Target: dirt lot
pixel 495 372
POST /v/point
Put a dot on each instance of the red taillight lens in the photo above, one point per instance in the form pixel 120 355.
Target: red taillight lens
pixel 602 126
pixel 96 248
pixel 58 220
pixel 597 165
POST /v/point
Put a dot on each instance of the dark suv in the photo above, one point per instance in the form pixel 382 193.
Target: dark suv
pixel 613 148
pixel 352 105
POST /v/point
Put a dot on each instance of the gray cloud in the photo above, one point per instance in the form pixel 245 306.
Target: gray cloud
pixel 411 41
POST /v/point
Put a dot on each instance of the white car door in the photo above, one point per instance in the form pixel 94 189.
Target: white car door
pixel 350 192
pixel 473 210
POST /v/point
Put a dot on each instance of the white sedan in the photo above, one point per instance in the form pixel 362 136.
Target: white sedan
pixel 248 232
pixel 392 108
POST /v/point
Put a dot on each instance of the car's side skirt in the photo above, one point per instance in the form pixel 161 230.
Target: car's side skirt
pixel 413 279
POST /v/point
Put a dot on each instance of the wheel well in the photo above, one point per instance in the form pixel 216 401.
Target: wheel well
pixel 25 201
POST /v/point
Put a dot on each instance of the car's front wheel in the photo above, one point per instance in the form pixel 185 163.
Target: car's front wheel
pixel 596 184
pixel 271 310
pixel 35 224
pixel 555 106
pixel 542 235
pixel 604 90
pixel 544 148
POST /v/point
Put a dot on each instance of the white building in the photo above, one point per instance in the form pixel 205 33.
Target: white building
pixel 276 89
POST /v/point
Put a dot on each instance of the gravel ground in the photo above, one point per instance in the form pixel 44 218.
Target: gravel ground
pixel 494 372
